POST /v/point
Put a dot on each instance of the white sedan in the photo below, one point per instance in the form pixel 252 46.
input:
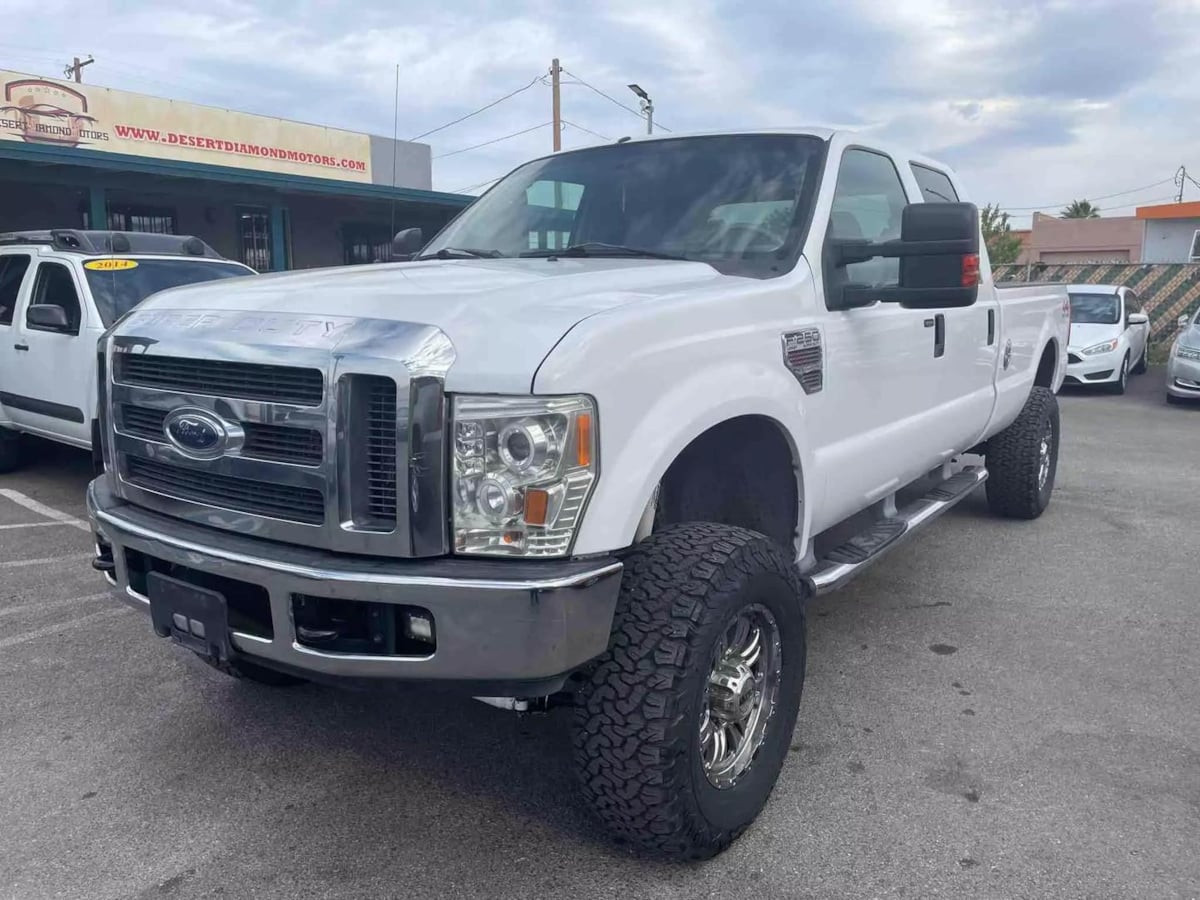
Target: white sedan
pixel 1110 336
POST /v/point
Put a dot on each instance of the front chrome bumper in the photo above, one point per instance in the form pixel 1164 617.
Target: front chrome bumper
pixel 503 626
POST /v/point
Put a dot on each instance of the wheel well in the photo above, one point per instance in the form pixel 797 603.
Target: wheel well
pixel 740 472
pixel 1047 366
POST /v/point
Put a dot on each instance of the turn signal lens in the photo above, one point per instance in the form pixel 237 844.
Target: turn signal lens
pixel 583 446
pixel 537 502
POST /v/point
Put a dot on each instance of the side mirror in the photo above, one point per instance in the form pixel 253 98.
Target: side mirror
pixel 938 251
pixel 1182 322
pixel 406 243
pixel 48 317
pixel 1139 319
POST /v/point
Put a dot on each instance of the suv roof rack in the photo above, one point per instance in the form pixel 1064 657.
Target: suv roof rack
pixel 106 243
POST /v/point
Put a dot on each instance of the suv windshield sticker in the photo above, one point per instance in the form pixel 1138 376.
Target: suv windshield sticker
pixel 110 265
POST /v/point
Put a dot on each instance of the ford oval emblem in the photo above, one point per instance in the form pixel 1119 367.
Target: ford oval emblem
pixel 196 432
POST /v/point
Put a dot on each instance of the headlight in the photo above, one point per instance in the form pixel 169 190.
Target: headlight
pixel 523 469
pixel 1187 352
pixel 1106 347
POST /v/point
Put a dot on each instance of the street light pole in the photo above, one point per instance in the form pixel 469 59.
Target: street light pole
pixel 647 106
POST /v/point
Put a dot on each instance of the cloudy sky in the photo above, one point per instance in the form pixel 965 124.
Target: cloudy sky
pixel 1036 103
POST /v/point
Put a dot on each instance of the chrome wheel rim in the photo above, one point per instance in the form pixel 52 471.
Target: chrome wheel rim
pixel 740 695
pixel 1044 454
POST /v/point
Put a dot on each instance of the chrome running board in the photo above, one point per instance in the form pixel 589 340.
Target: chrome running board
pixel 855 555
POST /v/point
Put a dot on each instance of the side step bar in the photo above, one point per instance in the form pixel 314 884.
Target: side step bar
pixel 850 558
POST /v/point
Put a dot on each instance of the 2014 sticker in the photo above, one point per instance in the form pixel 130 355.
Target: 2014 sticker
pixel 110 265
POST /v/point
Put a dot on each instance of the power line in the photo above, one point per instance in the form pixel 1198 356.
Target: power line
pixel 1069 202
pixel 1109 209
pixel 611 99
pixel 493 140
pixel 478 111
pixel 480 184
pixel 588 130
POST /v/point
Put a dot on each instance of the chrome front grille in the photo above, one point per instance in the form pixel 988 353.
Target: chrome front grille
pixel 218 378
pixel 381 449
pixel 276 443
pixel 332 438
pixel 276 501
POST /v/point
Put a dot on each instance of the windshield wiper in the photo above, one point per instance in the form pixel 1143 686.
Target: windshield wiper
pixel 462 253
pixel 599 248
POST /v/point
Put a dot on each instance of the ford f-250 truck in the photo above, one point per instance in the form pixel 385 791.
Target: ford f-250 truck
pixel 596 444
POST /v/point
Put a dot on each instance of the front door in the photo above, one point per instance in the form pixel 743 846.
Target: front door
pixel 55 368
pixel 877 419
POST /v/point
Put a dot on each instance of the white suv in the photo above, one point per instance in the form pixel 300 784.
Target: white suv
pixel 59 291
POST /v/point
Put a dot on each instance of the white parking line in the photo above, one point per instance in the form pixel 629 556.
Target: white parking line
pixel 52 604
pixel 31 525
pixel 62 626
pixel 43 510
pixel 18 563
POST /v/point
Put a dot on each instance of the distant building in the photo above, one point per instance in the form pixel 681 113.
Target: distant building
pixel 1172 232
pixel 272 193
pixel 1109 239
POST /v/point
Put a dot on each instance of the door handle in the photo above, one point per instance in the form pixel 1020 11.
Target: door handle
pixel 991 327
pixel 939 335
pixel 20 346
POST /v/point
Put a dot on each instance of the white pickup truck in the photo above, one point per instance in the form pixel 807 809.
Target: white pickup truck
pixel 59 290
pixel 595 444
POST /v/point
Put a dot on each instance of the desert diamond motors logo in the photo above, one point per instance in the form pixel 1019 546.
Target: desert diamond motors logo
pixel 44 112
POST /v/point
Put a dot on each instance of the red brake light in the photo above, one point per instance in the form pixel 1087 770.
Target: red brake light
pixel 970 270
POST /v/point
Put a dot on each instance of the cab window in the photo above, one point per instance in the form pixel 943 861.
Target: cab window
pixel 56 287
pixel 13 267
pixel 868 204
pixel 935 186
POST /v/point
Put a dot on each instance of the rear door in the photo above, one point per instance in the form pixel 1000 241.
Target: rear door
pixel 14 283
pixel 56 372
pixel 966 387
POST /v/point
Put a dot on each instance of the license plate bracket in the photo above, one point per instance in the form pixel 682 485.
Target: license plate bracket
pixel 194 617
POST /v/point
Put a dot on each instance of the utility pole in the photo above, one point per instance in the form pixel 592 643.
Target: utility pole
pixel 1180 178
pixel 76 70
pixel 556 101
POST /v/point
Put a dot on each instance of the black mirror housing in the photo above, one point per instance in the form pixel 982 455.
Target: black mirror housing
pixel 407 242
pixel 48 317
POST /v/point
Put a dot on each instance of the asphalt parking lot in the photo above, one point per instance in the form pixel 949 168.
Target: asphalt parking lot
pixel 998 709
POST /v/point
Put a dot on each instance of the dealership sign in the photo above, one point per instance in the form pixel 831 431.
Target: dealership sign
pixel 62 114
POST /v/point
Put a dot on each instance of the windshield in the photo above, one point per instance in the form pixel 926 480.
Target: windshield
pixel 738 202
pixel 117 290
pixel 1095 309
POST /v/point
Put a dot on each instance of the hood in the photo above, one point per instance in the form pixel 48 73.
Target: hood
pixel 1190 337
pixel 1084 334
pixel 502 316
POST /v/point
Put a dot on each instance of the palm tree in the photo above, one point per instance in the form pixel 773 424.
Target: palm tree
pixel 1080 209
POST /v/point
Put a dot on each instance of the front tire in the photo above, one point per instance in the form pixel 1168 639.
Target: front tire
pixel 1118 387
pixel 684 724
pixel 1022 460
pixel 12 450
pixel 1143 361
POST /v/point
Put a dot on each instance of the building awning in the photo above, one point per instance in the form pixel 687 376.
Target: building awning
pixel 120 162
pixel 1189 210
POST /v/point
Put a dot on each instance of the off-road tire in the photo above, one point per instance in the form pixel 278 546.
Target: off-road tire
pixel 1014 459
pixel 1118 387
pixel 12 450
pixel 1143 361
pixel 249 671
pixel 637 721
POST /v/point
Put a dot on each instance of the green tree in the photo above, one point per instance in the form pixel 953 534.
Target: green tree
pixel 1080 209
pixel 1003 246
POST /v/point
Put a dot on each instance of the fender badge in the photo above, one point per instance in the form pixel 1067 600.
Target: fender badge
pixel 1007 354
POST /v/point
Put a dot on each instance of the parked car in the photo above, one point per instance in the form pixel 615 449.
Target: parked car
pixel 1183 365
pixel 602 463
pixel 59 290
pixel 1110 336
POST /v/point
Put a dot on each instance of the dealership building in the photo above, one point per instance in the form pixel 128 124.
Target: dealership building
pixel 272 193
